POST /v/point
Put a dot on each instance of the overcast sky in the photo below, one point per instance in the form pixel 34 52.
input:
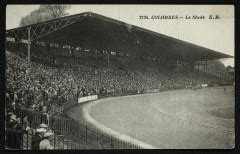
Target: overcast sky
pixel 213 34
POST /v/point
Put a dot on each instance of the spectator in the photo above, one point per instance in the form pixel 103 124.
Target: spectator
pixel 12 122
pixel 45 143
pixel 37 138
pixel 26 125
pixel 18 134
pixel 44 126
pixel 8 119
pixel 11 133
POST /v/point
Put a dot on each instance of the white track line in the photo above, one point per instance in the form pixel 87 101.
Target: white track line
pixel 192 122
pixel 86 114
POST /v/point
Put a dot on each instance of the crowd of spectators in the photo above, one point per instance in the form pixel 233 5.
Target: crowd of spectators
pixel 15 137
pixel 20 127
pixel 43 83
pixel 17 128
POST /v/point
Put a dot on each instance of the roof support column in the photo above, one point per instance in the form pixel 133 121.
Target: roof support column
pixel 206 65
pixel 198 66
pixel 108 58
pixel 29 43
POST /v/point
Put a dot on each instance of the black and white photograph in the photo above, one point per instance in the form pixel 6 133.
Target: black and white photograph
pixel 104 76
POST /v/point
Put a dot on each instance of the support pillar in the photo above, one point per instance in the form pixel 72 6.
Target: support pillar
pixel 206 65
pixel 29 43
pixel 108 58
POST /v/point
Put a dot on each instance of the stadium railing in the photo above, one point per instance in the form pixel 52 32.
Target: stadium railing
pixel 22 140
pixel 68 133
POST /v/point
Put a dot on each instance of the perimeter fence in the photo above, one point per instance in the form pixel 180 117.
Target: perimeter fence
pixel 68 134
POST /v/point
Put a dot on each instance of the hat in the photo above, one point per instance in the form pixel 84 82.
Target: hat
pixel 43 125
pixel 27 128
pixel 10 113
pixel 47 134
pixel 49 131
pixel 13 117
pixel 41 130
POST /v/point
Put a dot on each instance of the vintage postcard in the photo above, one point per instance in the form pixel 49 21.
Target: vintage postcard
pixel 120 77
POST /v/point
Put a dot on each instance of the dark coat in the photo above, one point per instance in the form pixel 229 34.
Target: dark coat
pixel 18 136
pixel 37 138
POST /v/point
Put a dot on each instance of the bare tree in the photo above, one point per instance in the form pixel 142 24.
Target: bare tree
pixel 56 11
pixel 45 13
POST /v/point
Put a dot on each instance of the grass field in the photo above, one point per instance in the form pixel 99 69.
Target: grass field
pixel 182 119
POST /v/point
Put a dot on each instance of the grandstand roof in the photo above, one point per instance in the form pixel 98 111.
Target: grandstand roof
pixel 93 31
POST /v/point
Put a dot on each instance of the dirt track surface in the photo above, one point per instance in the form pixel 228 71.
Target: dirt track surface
pixel 179 119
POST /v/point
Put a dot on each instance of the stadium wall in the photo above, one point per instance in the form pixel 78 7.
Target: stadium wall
pixel 151 91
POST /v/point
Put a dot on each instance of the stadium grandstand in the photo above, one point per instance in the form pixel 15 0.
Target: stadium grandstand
pixel 50 63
